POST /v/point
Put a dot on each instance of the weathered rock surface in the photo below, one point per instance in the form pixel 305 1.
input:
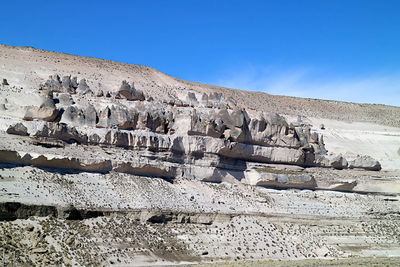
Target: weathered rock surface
pixel 181 172
pixel 128 92
pixel 280 180
pixel 339 162
pixel 65 164
pixel 47 111
pixel 18 129
pixel 365 162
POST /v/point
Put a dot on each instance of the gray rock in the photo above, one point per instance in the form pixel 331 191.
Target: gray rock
pixel 62 132
pixel 73 116
pixel 83 88
pixel 66 82
pixel 53 84
pixel 65 99
pixel 94 139
pixel 47 111
pixel 192 99
pixel 77 117
pixel 273 180
pixel 39 250
pixel 100 93
pixel 365 162
pixel 129 92
pixel 90 116
pixel 117 117
pixel 67 85
pixel 338 162
pixel 74 82
pixel 18 129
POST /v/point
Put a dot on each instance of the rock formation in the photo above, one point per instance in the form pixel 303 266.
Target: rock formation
pixel 140 168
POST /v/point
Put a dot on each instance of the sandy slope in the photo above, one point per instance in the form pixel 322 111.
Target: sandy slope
pixel 352 138
pixel 28 67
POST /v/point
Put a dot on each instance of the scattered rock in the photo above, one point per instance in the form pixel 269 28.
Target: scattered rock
pixel 338 162
pixel 83 88
pixel 18 129
pixel 366 163
pixel 100 93
pixel 29 227
pixel 39 250
pixel 47 111
pixel 70 240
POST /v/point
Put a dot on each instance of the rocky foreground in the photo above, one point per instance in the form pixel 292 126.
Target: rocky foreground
pixel 147 169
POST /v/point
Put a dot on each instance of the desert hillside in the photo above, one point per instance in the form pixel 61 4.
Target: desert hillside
pixel 105 163
pixel 28 67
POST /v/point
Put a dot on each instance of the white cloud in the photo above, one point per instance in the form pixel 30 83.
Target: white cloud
pixel 314 83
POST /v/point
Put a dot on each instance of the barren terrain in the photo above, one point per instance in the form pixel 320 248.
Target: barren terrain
pixel 161 171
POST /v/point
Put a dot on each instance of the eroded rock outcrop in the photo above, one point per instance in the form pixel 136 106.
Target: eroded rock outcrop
pixel 205 137
pixel 62 132
pixel 18 129
pixel 280 180
pixel 66 164
pixel 365 162
pixel 47 111
pixel 129 92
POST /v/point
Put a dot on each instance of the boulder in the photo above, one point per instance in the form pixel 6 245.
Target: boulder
pixel 100 93
pixel 17 129
pixel 45 114
pixel 4 82
pixel 73 116
pixel 204 100
pixel 90 116
pixel 279 180
pixel 338 162
pixel 65 99
pixel 67 85
pixel 128 92
pixel 47 111
pixel 192 99
pixel 53 84
pixel 216 100
pixel 83 88
pixel 231 103
pixel 365 162
pixel 117 117
pixel 94 139
pixel 66 82
pixel 74 82
pixel 62 132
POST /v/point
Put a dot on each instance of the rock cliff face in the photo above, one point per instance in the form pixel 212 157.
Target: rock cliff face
pixel 192 172
pixel 199 137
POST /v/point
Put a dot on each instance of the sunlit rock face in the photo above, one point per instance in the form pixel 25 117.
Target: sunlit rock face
pixel 149 169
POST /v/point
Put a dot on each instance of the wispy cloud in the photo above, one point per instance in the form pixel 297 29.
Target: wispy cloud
pixel 378 88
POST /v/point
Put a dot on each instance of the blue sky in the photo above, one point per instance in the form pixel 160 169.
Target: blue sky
pixel 345 50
